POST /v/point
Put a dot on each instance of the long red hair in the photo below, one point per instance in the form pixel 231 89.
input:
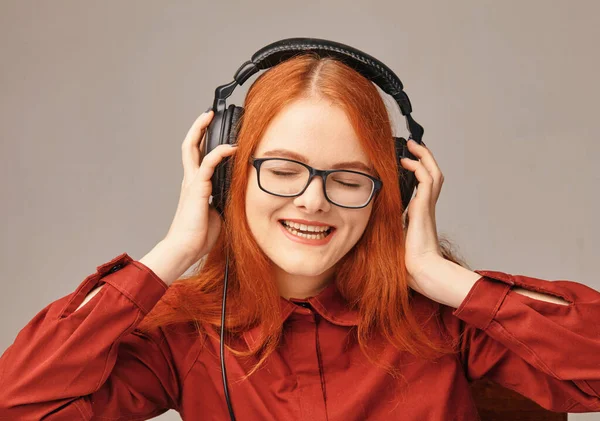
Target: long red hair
pixel 372 276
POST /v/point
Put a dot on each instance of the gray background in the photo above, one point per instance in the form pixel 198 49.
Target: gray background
pixel 97 97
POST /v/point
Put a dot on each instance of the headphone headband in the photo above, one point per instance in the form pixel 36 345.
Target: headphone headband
pixel 367 65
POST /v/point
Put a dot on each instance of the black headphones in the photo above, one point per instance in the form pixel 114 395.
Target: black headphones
pixel 223 128
pixel 224 125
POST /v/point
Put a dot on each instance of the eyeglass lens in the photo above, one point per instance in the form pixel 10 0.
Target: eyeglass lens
pixel 289 178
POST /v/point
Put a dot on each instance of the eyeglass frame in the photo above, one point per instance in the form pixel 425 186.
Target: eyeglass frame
pixel 257 162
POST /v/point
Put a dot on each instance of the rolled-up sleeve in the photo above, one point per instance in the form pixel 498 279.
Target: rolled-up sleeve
pixel 75 365
pixel 545 351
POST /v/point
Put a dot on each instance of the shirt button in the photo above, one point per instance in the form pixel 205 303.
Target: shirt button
pixel 115 268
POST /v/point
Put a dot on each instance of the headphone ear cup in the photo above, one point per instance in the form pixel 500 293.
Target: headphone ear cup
pixel 406 179
pixel 222 174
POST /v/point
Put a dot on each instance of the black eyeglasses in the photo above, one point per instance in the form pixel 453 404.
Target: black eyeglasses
pixel 288 178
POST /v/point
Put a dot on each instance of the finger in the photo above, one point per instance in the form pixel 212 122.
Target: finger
pixel 425 186
pixel 426 157
pixel 430 163
pixel 212 159
pixel 190 151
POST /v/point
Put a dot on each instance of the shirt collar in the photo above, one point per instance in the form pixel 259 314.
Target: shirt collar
pixel 329 304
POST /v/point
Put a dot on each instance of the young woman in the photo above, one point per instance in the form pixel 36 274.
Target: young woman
pixel 337 308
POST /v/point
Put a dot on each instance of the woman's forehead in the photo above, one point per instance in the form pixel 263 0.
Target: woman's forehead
pixel 320 133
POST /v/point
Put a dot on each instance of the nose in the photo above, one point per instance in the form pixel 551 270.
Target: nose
pixel 313 199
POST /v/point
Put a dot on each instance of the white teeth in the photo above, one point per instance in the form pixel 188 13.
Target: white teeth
pixel 316 236
pixel 310 228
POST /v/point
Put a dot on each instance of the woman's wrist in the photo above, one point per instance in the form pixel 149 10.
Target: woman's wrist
pixel 167 261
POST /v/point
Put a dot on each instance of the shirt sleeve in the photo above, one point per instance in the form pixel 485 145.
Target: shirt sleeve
pixel 545 351
pixel 79 365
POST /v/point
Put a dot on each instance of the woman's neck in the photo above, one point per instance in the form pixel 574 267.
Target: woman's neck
pixel 301 286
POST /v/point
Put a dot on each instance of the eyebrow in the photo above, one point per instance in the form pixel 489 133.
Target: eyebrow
pixel 357 165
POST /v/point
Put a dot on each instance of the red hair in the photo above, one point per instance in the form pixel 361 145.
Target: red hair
pixel 372 276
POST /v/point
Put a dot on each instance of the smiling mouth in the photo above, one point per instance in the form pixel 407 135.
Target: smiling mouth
pixel 310 235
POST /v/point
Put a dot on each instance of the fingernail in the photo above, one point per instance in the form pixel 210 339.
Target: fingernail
pixel 208 109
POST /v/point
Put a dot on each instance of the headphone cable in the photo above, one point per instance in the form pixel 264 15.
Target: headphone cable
pixel 225 388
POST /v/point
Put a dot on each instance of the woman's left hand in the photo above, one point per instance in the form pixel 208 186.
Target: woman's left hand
pixel 421 243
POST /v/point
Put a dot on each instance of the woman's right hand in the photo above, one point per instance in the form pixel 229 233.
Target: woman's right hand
pixel 196 225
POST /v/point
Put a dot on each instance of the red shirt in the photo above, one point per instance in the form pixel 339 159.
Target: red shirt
pixel 93 364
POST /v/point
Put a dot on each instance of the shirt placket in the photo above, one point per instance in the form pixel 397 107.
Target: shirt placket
pixel 308 364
